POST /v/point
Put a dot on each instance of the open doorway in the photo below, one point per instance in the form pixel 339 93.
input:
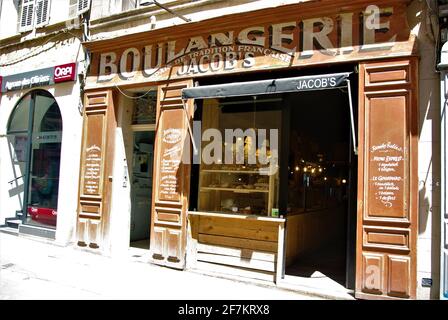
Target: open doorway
pixel 320 227
pixel 313 183
pixel 141 188
pixel 138 122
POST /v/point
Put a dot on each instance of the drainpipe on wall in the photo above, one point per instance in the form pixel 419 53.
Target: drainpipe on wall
pixel 443 67
pixel 82 74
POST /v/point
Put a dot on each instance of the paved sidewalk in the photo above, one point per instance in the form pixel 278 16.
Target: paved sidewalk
pixel 32 269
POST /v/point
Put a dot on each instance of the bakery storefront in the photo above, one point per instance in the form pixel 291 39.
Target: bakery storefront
pixel 278 145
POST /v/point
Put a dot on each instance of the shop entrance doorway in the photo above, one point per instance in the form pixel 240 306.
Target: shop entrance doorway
pixel 322 183
pixel 141 188
pixel 138 123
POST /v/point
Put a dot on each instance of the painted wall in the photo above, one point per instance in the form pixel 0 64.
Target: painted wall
pixel 67 96
pixel 428 243
pixel 108 21
pixel 9 16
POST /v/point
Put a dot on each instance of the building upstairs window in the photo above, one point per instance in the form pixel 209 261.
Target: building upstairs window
pixel 135 4
pixel 36 13
pixel 77 7
pixel 33 14
pixel 129 4
pixel 82 6
pixel 42 12
pixel 26 15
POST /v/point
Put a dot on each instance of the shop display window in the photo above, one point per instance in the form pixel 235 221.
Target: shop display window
pixel 242 130
pixel 311 172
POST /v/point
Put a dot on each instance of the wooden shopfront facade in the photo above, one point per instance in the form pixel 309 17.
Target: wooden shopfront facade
pixel 228 218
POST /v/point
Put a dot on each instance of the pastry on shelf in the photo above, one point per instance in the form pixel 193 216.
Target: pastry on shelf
pixel 261 184
pixel 246 210
pixel 228 204
pixel 263 180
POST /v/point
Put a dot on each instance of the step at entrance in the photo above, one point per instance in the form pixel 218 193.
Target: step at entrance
pixel 9 230
pixel 13 223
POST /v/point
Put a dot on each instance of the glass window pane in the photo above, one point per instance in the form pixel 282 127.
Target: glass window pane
pixel 47 116
pixel 20 116
pixel 239 169
pixel 19 145
pixel 45 161
pixel 44 183
pixel 318 157
pixel 144 108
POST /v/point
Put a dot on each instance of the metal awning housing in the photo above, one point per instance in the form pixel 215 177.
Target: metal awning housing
pixel 274 86
pixel 271 86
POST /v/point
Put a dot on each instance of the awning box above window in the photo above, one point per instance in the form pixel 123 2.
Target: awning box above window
pixel 271 86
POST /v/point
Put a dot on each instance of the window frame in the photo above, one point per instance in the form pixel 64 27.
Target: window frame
pixel 82 6
pixel 46 11
pixel 37 5
pixel 26 4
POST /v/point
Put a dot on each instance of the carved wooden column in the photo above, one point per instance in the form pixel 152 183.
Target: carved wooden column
pixel 388 184
pixel 171 182
pixel 96 168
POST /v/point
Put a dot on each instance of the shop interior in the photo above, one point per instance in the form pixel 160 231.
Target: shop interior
pixel 141 189
pixel 321 186
pixel 139 134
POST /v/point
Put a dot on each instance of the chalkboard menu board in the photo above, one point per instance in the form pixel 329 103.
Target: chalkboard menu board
pixel 92 156
pixel 386 156
pixel 171 141
pixel 387 172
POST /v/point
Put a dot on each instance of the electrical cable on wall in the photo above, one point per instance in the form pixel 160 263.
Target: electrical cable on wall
pixel 39 47
pixel 432 25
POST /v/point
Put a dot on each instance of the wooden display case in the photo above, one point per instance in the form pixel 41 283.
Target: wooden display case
pixel 237 189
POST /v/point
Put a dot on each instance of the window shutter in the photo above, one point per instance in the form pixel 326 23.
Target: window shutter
pixel 128 5
pixel 26 15
pixel 42 12
pixel 83 6
pixel 72 8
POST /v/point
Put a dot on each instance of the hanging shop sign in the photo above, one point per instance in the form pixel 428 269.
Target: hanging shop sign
pixel 293 41
pixel 38 78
